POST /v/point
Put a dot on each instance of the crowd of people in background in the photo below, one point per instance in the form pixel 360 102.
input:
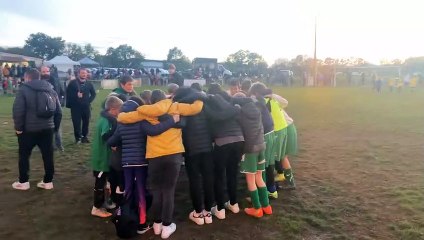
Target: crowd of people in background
pixel 11 76
pixel 378 82
pixel 155 76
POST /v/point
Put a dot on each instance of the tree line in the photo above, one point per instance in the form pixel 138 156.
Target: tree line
pixel 46 47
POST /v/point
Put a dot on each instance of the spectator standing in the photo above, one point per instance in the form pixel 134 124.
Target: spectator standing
pixel 6 71
pixel 34 125
pixel 19 71
pixel 24 69
pixel 13 71
pixel 79 96
pixel 175 77
pixel 57 87
pixel 158 77
pixel 152 76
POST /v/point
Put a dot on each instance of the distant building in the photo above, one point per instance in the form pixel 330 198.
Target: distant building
pixel 147 64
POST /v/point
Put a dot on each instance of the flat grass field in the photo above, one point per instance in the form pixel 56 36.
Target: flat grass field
pixel 359 175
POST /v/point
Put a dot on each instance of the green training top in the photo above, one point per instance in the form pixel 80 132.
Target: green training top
pixel 100 152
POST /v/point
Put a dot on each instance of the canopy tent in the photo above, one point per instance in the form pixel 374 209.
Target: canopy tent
pixel 62 63
pixel 87 62
pixel 11 58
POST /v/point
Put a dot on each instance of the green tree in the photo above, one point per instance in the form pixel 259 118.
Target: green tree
pixel 44 46
pixel 74 51
pixel 177 57
pixel 89 51
pixel 414 64
pixel 124 56
pixel 330 61
pixel 237 61
pixel 256 64
pixel 280 64
pixel 246 61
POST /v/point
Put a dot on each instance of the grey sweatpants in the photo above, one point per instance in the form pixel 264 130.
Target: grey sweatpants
pixel 162 179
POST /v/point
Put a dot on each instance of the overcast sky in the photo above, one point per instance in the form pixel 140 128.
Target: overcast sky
pixel 372 29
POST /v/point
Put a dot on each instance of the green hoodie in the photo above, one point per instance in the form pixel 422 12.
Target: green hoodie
pixel 120 90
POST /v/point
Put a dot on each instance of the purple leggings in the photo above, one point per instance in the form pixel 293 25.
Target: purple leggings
pixel 135 183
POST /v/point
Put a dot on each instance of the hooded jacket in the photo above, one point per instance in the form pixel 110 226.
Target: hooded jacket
pixel 133 137
pixel 251 122
pixel 24 108
pixel 223 118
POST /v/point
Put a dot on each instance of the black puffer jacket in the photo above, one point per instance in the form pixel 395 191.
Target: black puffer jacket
pixel 223 117
pixel 251 122
pixel 24 108
pixel 197 137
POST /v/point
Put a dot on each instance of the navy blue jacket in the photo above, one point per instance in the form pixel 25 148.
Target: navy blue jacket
pixel 133 137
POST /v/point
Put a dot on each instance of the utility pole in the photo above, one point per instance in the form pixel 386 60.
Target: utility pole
pixel 315 55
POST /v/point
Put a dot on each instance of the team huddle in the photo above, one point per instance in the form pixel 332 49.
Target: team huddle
pixel 140 144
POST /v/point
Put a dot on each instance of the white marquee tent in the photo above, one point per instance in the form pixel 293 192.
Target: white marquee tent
pixel 63 63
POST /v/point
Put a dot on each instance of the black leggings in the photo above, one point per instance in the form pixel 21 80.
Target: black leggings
pixel 226 161
pixel 200 171
pixel 162 178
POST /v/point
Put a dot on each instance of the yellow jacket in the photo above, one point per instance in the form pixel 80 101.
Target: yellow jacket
pixel 169 142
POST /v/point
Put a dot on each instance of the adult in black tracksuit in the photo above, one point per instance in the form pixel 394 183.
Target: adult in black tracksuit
pixel 33 130
pixel 79 96
pixel 228 151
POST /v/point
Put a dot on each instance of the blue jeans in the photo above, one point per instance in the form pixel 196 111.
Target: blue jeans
pixel 58 138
